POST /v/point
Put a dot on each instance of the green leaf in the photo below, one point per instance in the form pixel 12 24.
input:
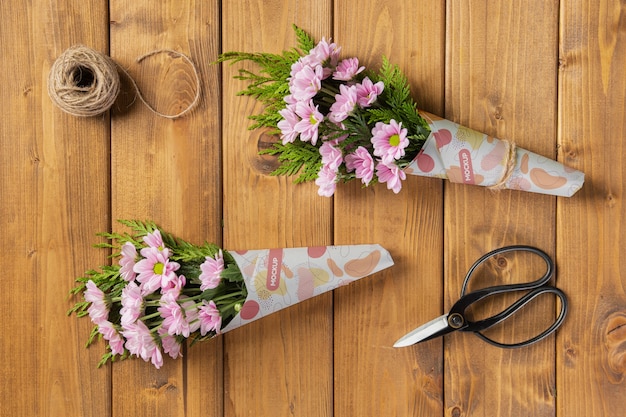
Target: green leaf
pixel 305 41
pixel 296 158
pixel 232 273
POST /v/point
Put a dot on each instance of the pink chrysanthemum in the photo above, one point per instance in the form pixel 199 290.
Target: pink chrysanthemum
pixel 139 342
pixel 176 286
pixel 112 336
pixel 99 309
pixel 132 303
pixel 191 314
pixel 392 175
pixel 326 181
pixel 305 83
pixel 211 274
pixel 389 141
pixel 154 240
pixel 362 162
pixel 156 270
pixel 331 155
pixel 290 99
pixel 347 69
pixel 288 123
pixel 323 54
pixel 296 67
pixel 210 318
pixel 308 126
pixel 174 321
pixel 171 344
pixel 156 357
pixel 344 104
pixel 127 261
pixel 367 92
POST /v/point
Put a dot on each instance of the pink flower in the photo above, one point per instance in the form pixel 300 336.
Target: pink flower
pixel 347 69
pixel 111 335
pixel 210 319
pixel 132 303
pixel 154 240
pixel 361 161
pixel 211 274
pixel 171 344
pixel 389 141
pixel 174 321
pixel 289 99
pixel 191 314
pixel 305 83
pixel 139 342
pixel 324 54
pixel 288 123
pixel 156 270
pixel 326 181
pixel 127 261
pixel 156 357
pixel 308 126
pixel 367 92
pixel 296 67
pixel 331 155
pixel 98 310
pixel 344 104
pixel 176 286
pixel 392 175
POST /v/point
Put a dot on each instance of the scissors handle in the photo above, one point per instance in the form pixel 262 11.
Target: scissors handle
pixel 478 326
pixel 544 279
pixel 534 288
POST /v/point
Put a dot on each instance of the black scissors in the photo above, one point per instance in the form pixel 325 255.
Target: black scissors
pixel 457 320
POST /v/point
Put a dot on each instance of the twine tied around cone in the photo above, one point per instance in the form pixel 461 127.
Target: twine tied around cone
pixel 510 160
pixel 84 82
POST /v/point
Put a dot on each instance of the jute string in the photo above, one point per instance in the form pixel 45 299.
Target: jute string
pixel 84 82
pixel 509 165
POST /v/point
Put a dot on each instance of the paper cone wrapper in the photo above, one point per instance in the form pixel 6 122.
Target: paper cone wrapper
pixel 466 156
pixel 279 278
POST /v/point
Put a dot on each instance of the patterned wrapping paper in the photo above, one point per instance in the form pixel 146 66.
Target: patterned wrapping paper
pixel 466 156
pixel 279 278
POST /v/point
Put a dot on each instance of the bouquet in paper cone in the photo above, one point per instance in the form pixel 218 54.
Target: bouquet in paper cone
pixel 163 290
pixel 338 122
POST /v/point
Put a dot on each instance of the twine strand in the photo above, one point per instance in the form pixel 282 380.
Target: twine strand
pixel 510 159
pixel 84 82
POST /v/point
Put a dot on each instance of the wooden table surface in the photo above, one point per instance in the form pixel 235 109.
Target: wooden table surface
pixel 549 75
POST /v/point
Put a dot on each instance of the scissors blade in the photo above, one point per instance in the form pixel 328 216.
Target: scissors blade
pixel 423 332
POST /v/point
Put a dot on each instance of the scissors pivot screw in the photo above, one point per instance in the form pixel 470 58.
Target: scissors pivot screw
pixel 456 321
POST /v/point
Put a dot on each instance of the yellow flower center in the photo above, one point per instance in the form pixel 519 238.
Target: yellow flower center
pixel 394 140
pixel 158 268
pixel 312 119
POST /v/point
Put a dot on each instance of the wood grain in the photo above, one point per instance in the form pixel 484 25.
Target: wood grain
pixel 591 236
pixel 281 365
pixel 51 204
pixel 502 84
pixel 547 74
pixel 168 171
pixel 373 313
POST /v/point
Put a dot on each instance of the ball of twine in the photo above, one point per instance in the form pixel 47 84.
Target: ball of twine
pixel 83 82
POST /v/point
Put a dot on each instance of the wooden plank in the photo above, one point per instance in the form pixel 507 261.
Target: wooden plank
pixel 168 171
pixel 49 216
pixel 280 365
pixel 592 109
pixel 500 79
pixel 371 377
